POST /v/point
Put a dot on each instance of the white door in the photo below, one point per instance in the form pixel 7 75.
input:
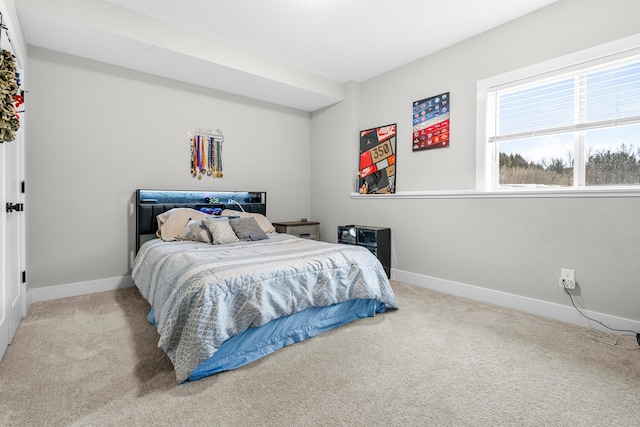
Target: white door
pixel 14 249
pixel 12 254
pixel 12 288
pixel 12 225
pixel 4 301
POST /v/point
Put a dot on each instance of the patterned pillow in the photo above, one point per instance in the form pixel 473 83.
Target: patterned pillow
pixel 247 229
pixel 262 220
pixel 195 231
pixel 221 231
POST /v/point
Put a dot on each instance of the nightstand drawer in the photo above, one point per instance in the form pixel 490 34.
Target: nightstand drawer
pixel 303 229
pixel 308 231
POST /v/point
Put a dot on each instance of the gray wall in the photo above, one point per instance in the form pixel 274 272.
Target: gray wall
pixel 514 245
pixel 96 133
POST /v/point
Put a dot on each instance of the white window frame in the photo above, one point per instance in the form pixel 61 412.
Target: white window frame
pixel 487 167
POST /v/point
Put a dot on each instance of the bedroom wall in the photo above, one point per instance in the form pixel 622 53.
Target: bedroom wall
pixel 513 246
pixel 96 133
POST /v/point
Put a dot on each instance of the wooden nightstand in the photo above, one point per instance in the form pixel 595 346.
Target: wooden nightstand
pixel 304 229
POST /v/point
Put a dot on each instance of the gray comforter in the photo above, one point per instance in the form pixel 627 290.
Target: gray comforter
pixel 204 294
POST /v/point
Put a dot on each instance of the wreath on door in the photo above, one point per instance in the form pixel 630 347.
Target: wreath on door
pixel 9 119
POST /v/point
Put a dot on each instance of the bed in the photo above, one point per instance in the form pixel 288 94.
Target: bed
pixel 221 304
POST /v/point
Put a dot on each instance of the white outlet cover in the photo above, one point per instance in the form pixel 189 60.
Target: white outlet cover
pixel 566 273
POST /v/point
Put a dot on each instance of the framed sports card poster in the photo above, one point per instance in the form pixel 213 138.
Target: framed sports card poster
pixel 431 122
pixel 377 172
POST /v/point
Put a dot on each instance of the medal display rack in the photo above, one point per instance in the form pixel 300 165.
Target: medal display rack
pixel 206 152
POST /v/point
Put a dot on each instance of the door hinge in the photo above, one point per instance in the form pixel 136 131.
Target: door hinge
pixel 24 276
pixel 22 187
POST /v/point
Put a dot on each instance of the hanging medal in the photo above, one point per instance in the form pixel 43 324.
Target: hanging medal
pixel 193 156
pixel 214 157
pixel 209 157
pixel 200 155
pixel 219 158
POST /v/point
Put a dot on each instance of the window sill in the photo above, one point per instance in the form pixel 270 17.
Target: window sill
pixel 507 194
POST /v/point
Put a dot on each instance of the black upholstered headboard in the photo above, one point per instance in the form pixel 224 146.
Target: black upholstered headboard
pixel 150 203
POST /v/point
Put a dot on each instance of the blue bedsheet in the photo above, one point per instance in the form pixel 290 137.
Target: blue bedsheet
pixel 256 343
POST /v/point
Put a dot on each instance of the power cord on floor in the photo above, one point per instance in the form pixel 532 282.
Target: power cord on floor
pixel 637 334
pixel 613 340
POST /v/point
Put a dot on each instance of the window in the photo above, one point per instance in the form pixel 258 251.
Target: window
pixel 576 126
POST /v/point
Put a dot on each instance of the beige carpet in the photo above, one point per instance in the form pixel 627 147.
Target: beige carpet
pixel 439 360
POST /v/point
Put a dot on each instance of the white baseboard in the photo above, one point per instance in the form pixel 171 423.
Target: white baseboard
pixel 565 313
pixel 75 289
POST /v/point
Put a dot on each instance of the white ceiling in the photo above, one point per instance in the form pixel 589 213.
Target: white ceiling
pixel 295 53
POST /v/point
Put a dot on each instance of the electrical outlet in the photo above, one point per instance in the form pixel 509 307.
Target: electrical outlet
pixel 567 283
pixel 567 273
pixel 567 278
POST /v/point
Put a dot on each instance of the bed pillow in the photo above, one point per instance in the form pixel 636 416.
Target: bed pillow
pixel 195 231
pixel 262 221
pixel 221 231
pixel 247 229
pixel 172 222
pixel 162 217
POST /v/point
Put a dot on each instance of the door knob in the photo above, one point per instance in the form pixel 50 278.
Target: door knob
pixel 18 207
